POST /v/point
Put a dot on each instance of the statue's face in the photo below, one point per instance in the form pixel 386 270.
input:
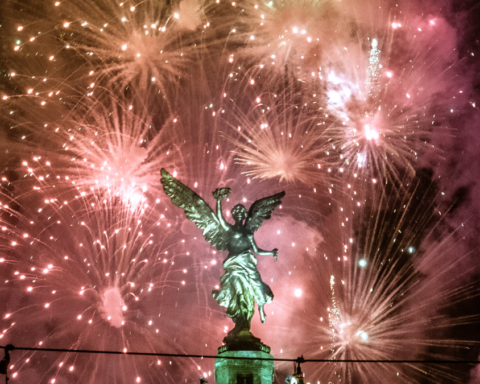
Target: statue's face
pixel 239 212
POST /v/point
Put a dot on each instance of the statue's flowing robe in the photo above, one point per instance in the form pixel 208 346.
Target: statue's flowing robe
pixel 241 286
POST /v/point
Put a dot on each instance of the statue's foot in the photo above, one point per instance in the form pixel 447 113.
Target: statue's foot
pixel 263 316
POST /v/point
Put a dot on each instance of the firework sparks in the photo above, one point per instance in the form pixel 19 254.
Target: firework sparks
pixel 339 103
pixel 378 130
pixel 381 300
pixel 287 36
pixel 127 45
pixel 86 266
pixel 277 140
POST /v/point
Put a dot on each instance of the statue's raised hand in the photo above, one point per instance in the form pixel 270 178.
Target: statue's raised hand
pixel 221 193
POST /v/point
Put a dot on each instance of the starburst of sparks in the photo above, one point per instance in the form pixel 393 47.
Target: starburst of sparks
pixel 340 104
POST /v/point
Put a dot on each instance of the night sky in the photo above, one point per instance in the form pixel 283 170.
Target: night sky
pixel 364 112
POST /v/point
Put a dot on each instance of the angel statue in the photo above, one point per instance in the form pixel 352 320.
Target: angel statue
pixel 241 285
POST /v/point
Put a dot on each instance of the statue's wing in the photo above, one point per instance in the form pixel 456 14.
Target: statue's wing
pixel 196 209
pixel 261 210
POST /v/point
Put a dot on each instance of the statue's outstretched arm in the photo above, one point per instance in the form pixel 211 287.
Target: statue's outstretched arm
pixel 260 252
pixel 221 219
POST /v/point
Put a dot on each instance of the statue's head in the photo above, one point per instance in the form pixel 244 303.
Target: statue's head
pixel 239 212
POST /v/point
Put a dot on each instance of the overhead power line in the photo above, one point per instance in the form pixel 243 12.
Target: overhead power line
pixel 302 360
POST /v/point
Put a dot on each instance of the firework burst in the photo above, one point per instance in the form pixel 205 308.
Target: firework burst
pixel 85 270
pixel 142 46
pixel 378 129
pixel 389 289
pixel 109 147
pixel 337 103
pixel 280 140
pixel 290 37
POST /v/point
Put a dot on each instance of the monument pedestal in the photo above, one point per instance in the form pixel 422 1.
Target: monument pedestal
pixel 239 371
pixel 244 371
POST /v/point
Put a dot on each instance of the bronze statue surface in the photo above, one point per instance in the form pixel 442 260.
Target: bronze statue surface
pixel 241 285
